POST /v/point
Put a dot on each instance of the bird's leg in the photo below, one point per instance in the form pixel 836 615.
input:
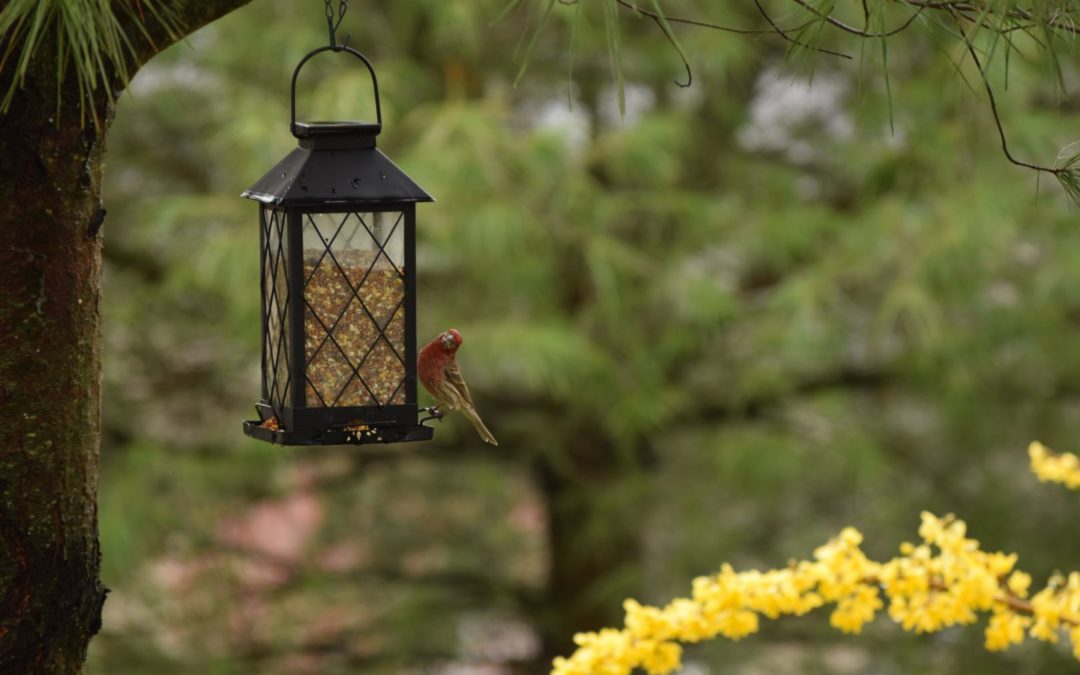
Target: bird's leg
pixel 433 414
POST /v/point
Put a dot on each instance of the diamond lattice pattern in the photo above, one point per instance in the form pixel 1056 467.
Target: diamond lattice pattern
pixel 275 296
pixel 354 318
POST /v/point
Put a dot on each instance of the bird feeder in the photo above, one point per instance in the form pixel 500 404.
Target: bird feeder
pixel 337 232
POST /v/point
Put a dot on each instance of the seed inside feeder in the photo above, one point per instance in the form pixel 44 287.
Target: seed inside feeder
pixel 354 320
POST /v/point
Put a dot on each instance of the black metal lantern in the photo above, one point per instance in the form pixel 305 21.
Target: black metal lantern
pixel 337 237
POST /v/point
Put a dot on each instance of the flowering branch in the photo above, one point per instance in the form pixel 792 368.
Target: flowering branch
pixel 945 581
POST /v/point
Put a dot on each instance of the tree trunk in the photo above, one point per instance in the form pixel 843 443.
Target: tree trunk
pixel 586 576
pixel 50 359
pixel 50 374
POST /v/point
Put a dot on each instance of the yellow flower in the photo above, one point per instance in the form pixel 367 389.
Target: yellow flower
pixel 931 529
pixel 1051 468
pixel 1019 582
pixel 852 613
pixel 1005 629
pixel 661 658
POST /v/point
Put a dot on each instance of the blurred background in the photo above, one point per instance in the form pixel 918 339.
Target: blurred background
pixel 718 327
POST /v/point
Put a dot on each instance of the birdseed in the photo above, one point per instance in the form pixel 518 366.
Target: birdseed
pixel 368 337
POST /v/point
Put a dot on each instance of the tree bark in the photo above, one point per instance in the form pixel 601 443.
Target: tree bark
pixel 587 568
pixel 51 594
pixel 584 575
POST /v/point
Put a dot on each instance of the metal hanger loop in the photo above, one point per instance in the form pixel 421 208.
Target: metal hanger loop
pixel 334 48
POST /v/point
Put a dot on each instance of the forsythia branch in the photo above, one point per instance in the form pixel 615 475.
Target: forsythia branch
pixel 946 580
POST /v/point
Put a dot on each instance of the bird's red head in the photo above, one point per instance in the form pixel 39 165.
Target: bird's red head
pixel 450 340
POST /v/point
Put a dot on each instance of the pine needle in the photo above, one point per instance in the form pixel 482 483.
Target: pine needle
pixel 90 39
pixel 1068 173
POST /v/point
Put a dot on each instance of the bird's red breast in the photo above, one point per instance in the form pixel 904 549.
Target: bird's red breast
pixel 431 364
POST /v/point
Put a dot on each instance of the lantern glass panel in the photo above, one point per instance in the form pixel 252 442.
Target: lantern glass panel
pixel 276 302
pixel 354 318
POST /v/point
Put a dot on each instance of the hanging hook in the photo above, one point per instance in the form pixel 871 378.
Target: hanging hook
pixel 331 29
pixel 331 24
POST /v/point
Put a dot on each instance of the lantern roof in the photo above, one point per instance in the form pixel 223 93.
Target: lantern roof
pixel 337 163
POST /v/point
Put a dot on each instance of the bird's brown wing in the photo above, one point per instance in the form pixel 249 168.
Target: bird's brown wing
pixel 454 392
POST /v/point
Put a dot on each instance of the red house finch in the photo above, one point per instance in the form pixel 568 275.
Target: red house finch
pixel 439 374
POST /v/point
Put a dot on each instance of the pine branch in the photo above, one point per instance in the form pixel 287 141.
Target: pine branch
pixel 99 45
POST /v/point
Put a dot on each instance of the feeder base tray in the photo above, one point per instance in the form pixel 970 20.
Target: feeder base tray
pixel 406 434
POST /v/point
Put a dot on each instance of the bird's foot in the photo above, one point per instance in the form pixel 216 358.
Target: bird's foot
pixel 433 414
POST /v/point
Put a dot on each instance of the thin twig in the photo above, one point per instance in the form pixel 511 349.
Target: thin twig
pixel 1013 13
pixel 994 110
pixel 700 24
pixel 833 21
pixel 792 40
pixel 663 26
pixel 663 21
pixel 782 32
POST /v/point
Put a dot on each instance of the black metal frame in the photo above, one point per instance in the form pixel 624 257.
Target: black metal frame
pixel 271 260
pixel 302 423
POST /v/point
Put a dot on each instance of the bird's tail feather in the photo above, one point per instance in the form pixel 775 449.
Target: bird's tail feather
pixel 471 413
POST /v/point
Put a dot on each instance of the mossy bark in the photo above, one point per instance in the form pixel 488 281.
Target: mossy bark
pixel 51 594
pixel 50 374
